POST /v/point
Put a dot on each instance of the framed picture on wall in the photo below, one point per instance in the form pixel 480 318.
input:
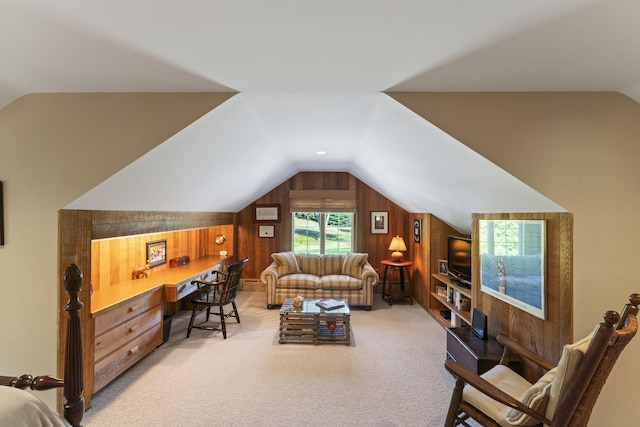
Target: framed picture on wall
pixel 266 231
pixel 156 253
pixel 379 222
pixel 266 213
pixel 416 230
pixel 512 262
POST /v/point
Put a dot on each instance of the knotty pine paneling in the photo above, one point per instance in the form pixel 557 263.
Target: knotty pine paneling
pixel 114 260
pixel 544 337
pixel 367 200
pixel 432 247
pixel 77 229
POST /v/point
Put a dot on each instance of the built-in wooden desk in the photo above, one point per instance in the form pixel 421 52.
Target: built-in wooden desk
pixel 128 316
pixel 176 282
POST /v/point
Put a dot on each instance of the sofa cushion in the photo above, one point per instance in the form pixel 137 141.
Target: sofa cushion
pixel 287 263
pixel 535 398
pixel 331 264
pixel 310 264
pixel 339 281
pixel 353 263
pixel 299 281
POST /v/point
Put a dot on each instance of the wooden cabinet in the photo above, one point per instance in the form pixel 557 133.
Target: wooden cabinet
pixel 125 333
pixel 473 353
pixel 455 298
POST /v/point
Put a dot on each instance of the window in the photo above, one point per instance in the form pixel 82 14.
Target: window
pixel 322 232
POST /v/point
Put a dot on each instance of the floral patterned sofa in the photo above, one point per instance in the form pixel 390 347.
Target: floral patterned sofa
pixel 348 276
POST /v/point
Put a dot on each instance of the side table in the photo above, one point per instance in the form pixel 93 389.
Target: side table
pixel 472 352
pixel 405 290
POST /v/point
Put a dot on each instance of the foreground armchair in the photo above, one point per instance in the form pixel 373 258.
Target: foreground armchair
pixel 563 396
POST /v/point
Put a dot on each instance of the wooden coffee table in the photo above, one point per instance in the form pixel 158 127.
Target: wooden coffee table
pixel 311 324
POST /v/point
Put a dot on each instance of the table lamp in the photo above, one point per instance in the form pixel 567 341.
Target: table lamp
pixel 397 245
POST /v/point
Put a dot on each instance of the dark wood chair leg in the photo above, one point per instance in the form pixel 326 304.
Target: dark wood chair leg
pixel 235 312
pixel 193 316
pixel 453 406
pixel 223 326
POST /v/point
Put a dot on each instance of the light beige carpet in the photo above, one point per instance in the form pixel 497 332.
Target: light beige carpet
pixel 392 374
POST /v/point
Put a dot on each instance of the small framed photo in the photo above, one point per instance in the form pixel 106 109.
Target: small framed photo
pixel 379 222
pixel 266 213
pixel 266 231
pixel 156 253
pixel 443 266
pixel 441 291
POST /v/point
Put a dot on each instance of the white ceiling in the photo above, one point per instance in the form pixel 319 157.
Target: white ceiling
pixel 311 76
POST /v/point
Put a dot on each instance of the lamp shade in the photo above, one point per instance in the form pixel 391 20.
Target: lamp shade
pixel 397 246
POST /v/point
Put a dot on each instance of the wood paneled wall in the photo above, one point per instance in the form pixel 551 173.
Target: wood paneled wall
pixel 367 200
pixel 113 260
pixel 76 230
pixel 544 337
pixel 431 248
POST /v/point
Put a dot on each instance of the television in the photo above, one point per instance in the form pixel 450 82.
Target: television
pixel 459 260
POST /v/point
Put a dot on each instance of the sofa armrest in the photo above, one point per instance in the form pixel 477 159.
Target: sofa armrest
pixel 270 275
pixel 369 276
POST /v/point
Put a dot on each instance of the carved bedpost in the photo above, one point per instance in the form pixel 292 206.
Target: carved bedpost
pixel 73 370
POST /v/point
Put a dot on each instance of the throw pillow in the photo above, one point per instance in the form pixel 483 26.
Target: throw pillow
pixel 571 357
pixel 353 263
pixel 535 398
pixel 287 263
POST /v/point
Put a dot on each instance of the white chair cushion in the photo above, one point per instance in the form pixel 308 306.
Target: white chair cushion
pixel 571 357
pixel 508 381
pixel 536 398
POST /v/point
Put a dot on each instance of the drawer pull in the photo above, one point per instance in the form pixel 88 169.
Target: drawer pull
pixel 133 308
pixel 134 350
pixel 133 328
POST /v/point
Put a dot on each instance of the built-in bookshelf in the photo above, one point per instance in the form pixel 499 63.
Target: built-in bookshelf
pixel 456 299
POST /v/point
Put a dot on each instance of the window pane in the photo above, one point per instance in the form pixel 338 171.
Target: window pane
pixel 306 232
pixel 322 232
pixel 338 231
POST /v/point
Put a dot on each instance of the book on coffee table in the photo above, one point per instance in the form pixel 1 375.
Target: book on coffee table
pixel 329 304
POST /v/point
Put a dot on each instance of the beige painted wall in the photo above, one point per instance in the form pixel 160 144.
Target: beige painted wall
pixel 581 150
pixel 54 148
pixel 577 149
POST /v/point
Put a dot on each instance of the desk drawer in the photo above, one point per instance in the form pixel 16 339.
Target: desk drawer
pixel 174 293
pixel 120 313
pixel 124 332
pixel 117 362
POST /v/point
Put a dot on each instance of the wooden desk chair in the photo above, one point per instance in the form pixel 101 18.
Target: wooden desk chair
pixel 217 294
pixel 563 396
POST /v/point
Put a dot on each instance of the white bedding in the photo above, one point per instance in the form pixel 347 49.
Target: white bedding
pixel 20 408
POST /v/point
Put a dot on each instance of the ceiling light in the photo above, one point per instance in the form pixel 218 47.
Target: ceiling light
pixel 321 153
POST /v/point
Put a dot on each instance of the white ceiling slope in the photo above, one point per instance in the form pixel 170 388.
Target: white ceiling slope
pixel 372 136
pixel 292 52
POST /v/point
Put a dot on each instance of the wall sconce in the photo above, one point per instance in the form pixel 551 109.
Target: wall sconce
pixel 397 245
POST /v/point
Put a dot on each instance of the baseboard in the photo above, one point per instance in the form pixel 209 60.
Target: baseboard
pixel 251 285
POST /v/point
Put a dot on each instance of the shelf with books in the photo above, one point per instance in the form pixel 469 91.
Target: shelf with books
pixel 456 299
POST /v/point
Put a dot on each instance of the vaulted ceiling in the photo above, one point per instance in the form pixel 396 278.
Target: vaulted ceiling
pixel 311 77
